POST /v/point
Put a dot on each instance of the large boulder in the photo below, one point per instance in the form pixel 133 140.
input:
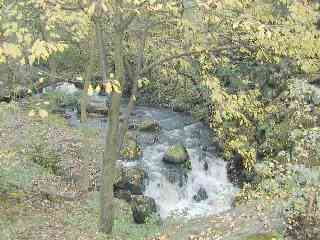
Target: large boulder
pixel 201 195
pixel 176 154
pixel 143 207
pixel 130 182
pixel 97 108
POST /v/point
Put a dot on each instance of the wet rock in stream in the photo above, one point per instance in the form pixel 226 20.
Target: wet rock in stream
pixel 170 184
pixel 177 154
pixel 201 195
pixel 131 180
pixel 143 208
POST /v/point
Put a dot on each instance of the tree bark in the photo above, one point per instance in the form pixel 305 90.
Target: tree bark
pixel 102 50
pixel 134 91
pixel 111 151
pixel 88 76
pixel 51 61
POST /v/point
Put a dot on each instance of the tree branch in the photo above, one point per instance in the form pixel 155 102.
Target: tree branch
pixel 184 54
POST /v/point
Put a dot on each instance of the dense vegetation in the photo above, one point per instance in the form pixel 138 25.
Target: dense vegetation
pixel 248 68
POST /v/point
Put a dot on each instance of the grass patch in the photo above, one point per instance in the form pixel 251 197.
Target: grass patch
pixel 87 220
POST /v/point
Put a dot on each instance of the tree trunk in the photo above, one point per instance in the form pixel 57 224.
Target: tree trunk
pixel 134 91
pixel 111 151
pixel 51 61
pixel 102 51
pixel 53 69
pixel 88 76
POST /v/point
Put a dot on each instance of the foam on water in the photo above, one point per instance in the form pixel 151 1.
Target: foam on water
pixel 172 188
pixel 173 199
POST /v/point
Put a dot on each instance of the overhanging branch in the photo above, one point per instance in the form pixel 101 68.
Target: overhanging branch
pixel 184 54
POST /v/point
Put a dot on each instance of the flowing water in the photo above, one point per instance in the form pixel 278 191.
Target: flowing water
pixel 173 188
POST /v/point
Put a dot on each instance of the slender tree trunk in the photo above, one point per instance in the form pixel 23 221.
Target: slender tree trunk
pixel 88 76
pixel 53 69
pixel 134 91
pixel 51 61
pixel 111 152
pixel 102 50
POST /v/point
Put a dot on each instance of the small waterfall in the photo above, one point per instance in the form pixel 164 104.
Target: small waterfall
pixel 208 173
pixel 172 187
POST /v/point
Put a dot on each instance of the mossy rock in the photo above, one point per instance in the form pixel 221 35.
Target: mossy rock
pixel 131 180
pixel 264 236
pixel 149 125
pixel 94 106
pixel 176 154
pixel 97 108
pixel 143 208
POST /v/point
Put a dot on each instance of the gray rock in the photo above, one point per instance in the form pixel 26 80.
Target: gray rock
pixel 149 125
pixel 142 207
pixel 201 195
pixel 131 180
pixel 97 108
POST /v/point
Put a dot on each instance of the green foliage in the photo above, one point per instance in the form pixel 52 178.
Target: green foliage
pixel 43 154
pixel 294 189
pixel 15 177
pixel 58 99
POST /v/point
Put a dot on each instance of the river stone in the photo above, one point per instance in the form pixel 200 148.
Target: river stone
pixel 180 107
pixel 142 207
pixel 176 155
pixel 201 195
pixel 131 180
pixel 206 166
pixel 97 108
pixel 149 125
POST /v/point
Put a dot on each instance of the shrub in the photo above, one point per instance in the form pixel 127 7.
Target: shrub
pixel 45 156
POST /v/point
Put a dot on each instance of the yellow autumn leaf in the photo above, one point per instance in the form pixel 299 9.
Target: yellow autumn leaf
pixel 43 113
pixel 90 90
pixel 98 89
pixel 116 86
pixel 22 61
pixel 108 87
